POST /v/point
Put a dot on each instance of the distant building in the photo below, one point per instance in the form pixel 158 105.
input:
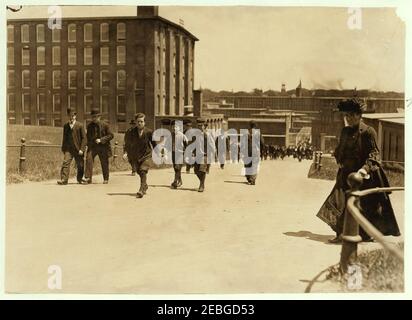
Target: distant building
pixel 390 128
pixel 121 65
pixel 318 113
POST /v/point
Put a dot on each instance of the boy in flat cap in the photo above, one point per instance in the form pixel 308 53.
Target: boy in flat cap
pixel 188 125
pixel 140 151
pixel 251 154
pixel 98 143
pixel 73 147
pixel 126 145
pixel 179 142
pixel 205 146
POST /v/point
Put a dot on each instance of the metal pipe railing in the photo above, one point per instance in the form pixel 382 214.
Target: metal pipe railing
pixel 354 218
pixel 23 147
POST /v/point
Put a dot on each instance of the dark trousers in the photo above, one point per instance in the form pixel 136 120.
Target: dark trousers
pixel 133 165
pixel 104 161
pixel 65 170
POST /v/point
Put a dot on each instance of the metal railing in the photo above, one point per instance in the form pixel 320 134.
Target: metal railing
pixel 23 146
pixel 354 218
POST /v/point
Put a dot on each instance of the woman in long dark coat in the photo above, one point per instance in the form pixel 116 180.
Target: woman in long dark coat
pixel 357 151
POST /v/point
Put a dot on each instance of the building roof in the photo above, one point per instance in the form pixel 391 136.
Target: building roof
pixel 394 120
pixel 309 97
pixel 168 22
pixel 256 120
pixel 391 115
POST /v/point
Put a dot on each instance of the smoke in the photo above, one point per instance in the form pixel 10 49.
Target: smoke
pixel 328 84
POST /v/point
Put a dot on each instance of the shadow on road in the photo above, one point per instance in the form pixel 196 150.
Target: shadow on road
pixel 122 194
pixel 68 184
pixel 168 187
pixel 309 235
pixel 239 182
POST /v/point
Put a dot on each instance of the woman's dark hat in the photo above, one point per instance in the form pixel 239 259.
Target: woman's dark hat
pixel 351 105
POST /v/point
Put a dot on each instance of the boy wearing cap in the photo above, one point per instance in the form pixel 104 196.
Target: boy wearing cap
pixel 73 147
pixel 205 146
pixel 140 151
pixel 188 124
pixel 126 145
pixel 179 142
pixel 252 152
pixel 98 143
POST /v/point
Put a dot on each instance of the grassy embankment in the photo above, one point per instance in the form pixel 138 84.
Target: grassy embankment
pixel 381 272
pixel 44 162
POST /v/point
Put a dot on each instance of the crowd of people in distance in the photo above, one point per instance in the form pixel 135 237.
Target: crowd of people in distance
pixel 303 150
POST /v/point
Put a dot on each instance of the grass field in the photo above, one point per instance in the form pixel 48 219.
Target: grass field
pixel 44 161
pixel 395 173
pixel 381 272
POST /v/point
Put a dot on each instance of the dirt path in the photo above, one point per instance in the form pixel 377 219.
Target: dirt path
pixel 233 238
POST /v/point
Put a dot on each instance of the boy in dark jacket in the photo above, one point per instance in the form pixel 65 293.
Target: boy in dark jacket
pixel 73 147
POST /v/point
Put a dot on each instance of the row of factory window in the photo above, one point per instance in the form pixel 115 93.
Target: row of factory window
pixel 71 33
pixel 56 122
pixel 88 104
pixel 71 56
pixel 72 79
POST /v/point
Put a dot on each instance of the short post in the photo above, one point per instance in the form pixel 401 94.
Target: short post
pixel 22 161
pixel 316 159
pixel 350 235
pixel 320 160
pixel 115 152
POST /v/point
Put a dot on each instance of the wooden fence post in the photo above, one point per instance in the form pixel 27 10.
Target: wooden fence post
pixel 22 160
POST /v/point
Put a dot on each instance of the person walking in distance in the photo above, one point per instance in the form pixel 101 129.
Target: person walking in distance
pixel 140 151
pixel 205 145
pixel 179 142
pixel 188 124
pixel 99 136
pixel 251 144
pixel 73 147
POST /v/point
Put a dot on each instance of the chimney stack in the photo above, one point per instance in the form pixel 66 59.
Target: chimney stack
pixel 147 11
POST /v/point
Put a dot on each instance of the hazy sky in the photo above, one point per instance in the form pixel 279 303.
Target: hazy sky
pixel 242 48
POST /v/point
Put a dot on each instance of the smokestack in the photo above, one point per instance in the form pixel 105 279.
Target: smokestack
pixel 299 89
pixel 197 102
pixel 147 11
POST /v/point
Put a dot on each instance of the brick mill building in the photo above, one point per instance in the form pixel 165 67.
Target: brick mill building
pixel 121 65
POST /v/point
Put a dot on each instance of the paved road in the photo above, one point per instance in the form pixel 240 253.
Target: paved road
pixel 233 238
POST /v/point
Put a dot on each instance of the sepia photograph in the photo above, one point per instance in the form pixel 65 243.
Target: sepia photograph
pixel 204 149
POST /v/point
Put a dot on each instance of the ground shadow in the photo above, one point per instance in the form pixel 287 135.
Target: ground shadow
pixel 309 235
pixel 168 187
pixel 238 182
pixel 56 184
pixel 122 194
